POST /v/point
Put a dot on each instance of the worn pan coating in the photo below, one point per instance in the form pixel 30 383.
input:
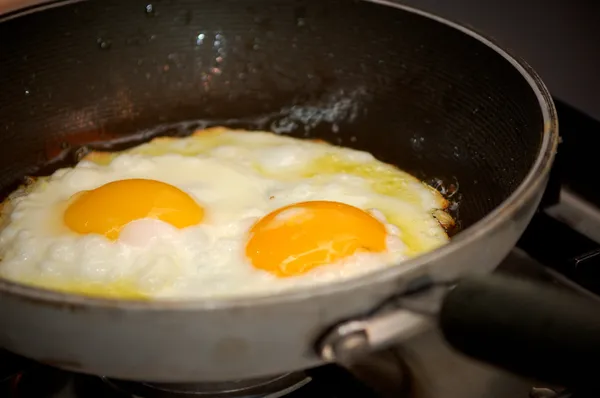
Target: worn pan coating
pixel 417 91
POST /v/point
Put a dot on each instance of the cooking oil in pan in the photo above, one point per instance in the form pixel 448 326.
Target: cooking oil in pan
pixel 71 150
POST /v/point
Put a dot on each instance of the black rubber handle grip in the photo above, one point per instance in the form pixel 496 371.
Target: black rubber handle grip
pixel 533 330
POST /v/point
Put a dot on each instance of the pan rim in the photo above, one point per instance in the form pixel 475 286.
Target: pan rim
pixel 528 187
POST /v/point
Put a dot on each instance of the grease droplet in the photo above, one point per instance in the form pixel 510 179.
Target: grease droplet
pixel 150 12
pixel 103 44
pixel 417 142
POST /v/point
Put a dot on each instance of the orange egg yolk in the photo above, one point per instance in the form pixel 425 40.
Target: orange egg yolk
pixel 107 209
pixel 295 239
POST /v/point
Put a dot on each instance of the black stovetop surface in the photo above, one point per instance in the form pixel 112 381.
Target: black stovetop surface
pixel 551 241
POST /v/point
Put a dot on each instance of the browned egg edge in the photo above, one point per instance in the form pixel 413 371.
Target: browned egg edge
pixel 104 157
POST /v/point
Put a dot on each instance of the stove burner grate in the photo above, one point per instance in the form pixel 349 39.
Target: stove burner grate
pixel 267 387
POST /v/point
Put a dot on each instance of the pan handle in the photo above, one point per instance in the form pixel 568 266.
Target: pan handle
pixel 530 329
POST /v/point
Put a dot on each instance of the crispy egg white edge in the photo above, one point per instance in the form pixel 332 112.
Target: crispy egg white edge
pixel 440 213
pixel 102 158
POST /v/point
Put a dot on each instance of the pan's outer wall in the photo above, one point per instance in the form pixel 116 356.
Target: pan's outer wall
pixel 413 91
pixel 183 345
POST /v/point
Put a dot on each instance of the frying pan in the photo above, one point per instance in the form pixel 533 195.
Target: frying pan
pixel 425 94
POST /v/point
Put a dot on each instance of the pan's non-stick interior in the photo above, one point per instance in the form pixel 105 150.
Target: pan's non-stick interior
pixel 412 91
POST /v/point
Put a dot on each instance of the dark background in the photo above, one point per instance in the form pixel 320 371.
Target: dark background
pixel 559 38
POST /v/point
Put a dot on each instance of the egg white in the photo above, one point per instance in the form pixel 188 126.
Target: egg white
pixel 237 177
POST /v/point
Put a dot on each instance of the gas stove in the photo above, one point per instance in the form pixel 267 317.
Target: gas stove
pixel 561 246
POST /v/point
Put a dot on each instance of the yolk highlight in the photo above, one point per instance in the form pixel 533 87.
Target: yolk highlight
pixel 107 209
pixel 295 239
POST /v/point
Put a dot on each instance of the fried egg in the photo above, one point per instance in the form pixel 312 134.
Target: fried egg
pixel 219 214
